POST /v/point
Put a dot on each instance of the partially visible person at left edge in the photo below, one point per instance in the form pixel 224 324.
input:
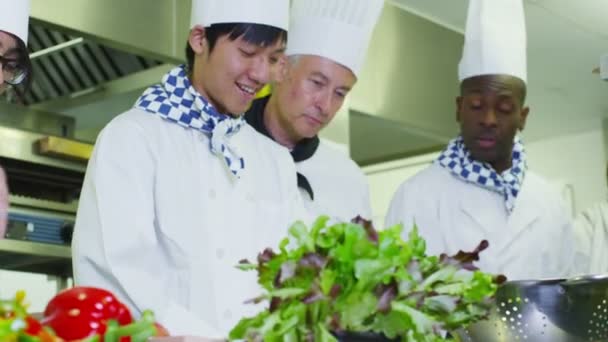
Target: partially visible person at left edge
pixel 16 69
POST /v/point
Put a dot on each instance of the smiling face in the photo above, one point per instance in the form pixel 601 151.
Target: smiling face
pixel 233 71
pixel 310 94
pixel 491 111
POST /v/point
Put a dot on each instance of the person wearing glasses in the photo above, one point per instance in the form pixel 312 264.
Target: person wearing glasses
pixel 16 69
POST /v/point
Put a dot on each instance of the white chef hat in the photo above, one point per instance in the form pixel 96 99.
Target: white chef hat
pixel 267 12
pixel 495 39
pixel 14 17
pixel 339 30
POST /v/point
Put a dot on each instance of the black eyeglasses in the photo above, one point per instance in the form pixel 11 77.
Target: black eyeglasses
pixel 12 70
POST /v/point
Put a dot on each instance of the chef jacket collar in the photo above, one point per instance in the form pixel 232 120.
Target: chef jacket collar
pixel 303 150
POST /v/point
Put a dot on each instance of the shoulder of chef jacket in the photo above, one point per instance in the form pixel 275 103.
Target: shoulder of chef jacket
pixel 535 241
pixel 591 228
pixel 340 188
pixel 162 223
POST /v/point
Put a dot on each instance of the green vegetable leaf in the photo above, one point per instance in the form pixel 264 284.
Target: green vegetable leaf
pixel 416 242
pixel 352 277
pixel 303 238
pixel 422 323
pixel 327 279
pixel 356 309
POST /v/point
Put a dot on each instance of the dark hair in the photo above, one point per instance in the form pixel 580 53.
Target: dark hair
pixel 518 85
pixel 25 62
pixel 257 34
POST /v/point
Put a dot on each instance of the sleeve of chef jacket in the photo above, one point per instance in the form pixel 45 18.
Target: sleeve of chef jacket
pixel 576 261
pixel 584 227
pixel 121 191
pixel 365 200
pixel 408 208
pixel 566 258
pixel 394 214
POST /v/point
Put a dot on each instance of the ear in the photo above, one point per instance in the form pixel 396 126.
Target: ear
pixel 524 116
pixel 282 66
pixel 197 39
pixel 458 107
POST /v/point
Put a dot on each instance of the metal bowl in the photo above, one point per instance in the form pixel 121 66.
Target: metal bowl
pixel 556 310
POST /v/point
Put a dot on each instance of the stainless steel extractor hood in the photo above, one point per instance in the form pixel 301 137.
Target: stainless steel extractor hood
pixel 93 58
pixel 404 101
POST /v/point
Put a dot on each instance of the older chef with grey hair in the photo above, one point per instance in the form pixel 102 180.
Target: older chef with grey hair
pixel 327 46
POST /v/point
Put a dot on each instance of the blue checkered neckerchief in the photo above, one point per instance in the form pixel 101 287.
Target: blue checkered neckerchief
pixel 457 159
pixel 176 100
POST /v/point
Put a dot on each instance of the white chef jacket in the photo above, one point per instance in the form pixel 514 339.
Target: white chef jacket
pixel 339 186
pixel 535 241
pixel 592 236
pixel 162 222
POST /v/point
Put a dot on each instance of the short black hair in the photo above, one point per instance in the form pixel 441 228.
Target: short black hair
pixel 257 34
pixel 517 84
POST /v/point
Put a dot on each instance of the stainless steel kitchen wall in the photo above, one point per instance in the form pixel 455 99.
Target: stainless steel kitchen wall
pixel 404 101
pixel 154 28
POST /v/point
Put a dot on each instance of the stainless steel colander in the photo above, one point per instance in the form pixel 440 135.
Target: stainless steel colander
pixel 574 310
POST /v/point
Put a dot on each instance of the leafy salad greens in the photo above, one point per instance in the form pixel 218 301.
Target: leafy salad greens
pixel 350 277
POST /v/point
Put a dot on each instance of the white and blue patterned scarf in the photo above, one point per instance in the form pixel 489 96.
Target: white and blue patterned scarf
pixel 457 159
pixel 176 100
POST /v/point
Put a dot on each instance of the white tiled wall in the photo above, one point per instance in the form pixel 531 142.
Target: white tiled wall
pixel 577 159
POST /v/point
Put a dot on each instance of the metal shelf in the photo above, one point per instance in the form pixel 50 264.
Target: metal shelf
pixel 32 257
pixel 29 202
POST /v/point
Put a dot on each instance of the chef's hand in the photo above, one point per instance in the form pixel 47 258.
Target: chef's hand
pixel 3 203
